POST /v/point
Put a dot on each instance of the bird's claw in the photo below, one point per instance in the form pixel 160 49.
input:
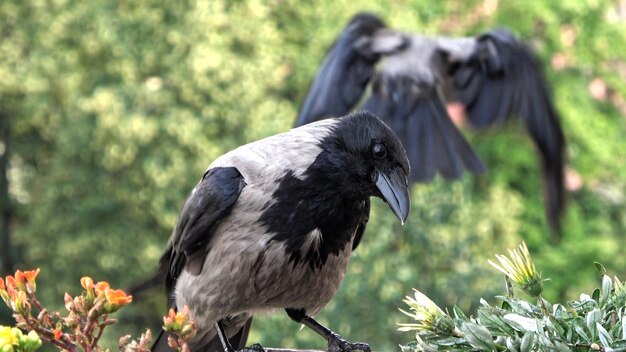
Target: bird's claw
pixel 337 344
pixel 254 348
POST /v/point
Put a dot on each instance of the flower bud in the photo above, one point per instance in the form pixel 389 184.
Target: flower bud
pixel 69 302
pixel 87 283
pixel 30 276
pixel 57 333
pixel 20 303
pixel 20 280
pixel 11 286
pixel 444 325
pixel 8 339
pixel 520 269
pixel 188 331
pixel 533 286
pixel 3 292
pixel 30 342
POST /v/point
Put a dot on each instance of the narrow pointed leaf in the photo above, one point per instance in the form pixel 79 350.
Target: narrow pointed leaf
pixel 478 336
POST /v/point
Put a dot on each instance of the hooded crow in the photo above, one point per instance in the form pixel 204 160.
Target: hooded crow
pixel 409 79
pixel 272 224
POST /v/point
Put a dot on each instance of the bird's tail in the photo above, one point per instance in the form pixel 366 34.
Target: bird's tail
pixel 160 344
pixel 156 280
pixel 433 143
pixel 238 341
pixel 208 342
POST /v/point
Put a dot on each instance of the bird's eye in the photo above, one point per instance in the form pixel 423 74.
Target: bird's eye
pixel 379 151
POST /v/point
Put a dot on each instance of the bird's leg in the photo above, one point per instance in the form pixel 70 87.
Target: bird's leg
pixel 222 334
pixel 228 347
pixel 336 343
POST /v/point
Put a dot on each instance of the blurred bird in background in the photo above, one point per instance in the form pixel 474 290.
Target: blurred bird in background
pixel 407 79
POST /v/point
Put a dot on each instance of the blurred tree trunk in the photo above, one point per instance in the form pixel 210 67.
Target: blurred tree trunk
pixel 6 208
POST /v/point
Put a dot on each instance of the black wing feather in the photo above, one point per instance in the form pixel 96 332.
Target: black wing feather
pixel 504 79
pixel 211 201
pixel 417 115
pixel 345 72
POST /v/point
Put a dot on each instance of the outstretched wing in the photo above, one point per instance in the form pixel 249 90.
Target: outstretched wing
pixel 503 79
pixel 495 76
pixel 345 72
pixel 209 203
pixel 432 142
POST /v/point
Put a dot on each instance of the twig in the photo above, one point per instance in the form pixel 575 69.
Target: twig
pixel 270 349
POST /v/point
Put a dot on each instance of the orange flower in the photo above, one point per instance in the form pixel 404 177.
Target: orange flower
pixel 101 287
pixel 57 333
pixel 3 292
pixel 87 282
pixel 183 316
pixel 170 318
pixel 175 320
pixel 18 280
pixel 179 323
pixel 20 303
pixel 31 275
pixel 19 277
pixel 117 297
pixel 11 286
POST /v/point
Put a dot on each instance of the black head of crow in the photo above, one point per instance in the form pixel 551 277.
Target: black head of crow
pixel 272 225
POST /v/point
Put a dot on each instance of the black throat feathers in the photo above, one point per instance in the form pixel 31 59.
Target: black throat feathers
pixel 318 205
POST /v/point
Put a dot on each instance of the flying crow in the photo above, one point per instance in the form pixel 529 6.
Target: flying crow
pixel 272 224
pixel 409 78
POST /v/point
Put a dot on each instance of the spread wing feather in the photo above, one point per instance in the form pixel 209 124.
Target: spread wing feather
pixel 345 72
pixel 503 79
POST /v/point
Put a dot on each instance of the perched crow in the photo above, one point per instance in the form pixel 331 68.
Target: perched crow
pixel 272 225
pixel 409 79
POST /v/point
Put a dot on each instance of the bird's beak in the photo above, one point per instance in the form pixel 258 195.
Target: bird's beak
pixel 395 191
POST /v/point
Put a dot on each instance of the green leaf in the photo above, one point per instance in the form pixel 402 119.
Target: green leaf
pixel 582 333
pixel 607 287
pixel 443 340
pixel 557 323
pixel 512 343
pixel 561 347
pixel 478 336
pixel 518 306
pixel 595 295
pixel 593 317
pixel 410 347
pixel 528 342
pixel 605 338
pixel 619 345
pixel 492 320
pixel 458 313
pixel 600 268
pixel 521 323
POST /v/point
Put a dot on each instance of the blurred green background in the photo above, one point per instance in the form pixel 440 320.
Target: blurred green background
pixel 111 111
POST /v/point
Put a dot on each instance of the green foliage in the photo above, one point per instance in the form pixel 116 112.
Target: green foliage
pixel 593 322
pixel 117 107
